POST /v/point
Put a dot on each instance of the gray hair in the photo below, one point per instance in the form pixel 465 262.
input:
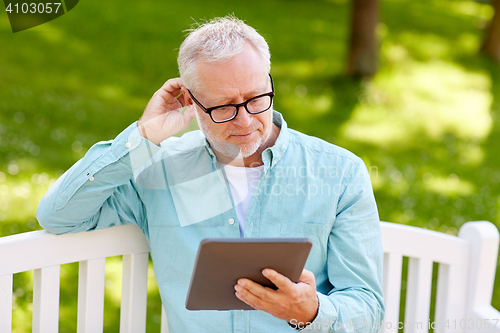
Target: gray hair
pixel 218 40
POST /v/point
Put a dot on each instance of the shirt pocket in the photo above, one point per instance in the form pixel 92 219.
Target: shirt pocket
pixel 318 233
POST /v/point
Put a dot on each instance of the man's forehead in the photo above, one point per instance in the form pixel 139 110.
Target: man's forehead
pixel 223 93
pixel 227 96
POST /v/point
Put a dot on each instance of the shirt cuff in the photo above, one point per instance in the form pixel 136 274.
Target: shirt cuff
pixel 325 318
pixel 133 149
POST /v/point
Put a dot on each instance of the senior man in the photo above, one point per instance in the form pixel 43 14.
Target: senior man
pixel 245 174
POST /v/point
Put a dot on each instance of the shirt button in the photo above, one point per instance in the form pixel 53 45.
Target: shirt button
pixel 128 145
pixel 91 178
pixel 231 221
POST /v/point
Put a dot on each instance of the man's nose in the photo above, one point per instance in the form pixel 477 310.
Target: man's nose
pixel 243 118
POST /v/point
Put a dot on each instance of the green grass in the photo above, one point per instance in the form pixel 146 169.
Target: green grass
pixel 427 126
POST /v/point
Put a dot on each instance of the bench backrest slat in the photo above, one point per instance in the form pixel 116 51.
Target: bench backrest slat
pixel 91 296
pixel 134 293
pixel 6 303
pixel 418 294
pixel 393 265
pixel 449 301
pixel 46 299
pixel 164 325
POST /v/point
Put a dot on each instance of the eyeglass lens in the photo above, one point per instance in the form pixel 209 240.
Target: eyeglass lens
pixel 254 105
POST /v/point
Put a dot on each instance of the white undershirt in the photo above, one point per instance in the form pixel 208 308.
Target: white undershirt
pixel 242 182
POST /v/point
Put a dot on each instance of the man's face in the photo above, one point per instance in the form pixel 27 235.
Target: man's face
pixel 233 82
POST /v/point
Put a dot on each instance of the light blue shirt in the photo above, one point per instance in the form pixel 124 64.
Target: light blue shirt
pixel 177 195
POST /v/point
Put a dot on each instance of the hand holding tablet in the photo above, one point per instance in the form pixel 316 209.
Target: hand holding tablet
pixel 296 303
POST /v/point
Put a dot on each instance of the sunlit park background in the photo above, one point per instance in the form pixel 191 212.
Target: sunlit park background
pixel 427 125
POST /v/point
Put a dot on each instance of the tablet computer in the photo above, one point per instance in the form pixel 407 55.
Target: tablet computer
pixel 220 262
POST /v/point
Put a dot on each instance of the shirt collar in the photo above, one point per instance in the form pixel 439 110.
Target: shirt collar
pixel 273 154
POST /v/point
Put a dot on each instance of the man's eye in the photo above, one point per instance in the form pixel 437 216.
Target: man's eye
pixel 257 100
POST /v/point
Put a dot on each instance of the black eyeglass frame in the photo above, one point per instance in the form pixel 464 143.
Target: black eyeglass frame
pixel 237 106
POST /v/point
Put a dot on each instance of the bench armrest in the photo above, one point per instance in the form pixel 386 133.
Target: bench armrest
pixel 484 319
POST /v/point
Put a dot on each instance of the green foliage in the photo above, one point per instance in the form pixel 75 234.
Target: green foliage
pixel 427 125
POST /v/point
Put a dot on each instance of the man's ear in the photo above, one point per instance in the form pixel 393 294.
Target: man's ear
pixel 187 98
pixel 188 102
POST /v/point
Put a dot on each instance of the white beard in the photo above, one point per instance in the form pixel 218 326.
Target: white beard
pixel 233 150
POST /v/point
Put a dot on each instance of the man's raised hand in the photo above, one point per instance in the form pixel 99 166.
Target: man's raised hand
pixel 166 115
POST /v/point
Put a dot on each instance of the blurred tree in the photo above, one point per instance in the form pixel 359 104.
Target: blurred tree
pixel 491 44
pixel 363 48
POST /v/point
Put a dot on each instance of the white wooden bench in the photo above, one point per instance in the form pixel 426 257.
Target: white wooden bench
pixel 467 265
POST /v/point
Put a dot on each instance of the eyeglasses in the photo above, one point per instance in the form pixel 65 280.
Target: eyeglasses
pixel 227 112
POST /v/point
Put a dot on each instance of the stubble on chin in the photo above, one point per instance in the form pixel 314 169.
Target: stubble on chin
pixel 230 149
